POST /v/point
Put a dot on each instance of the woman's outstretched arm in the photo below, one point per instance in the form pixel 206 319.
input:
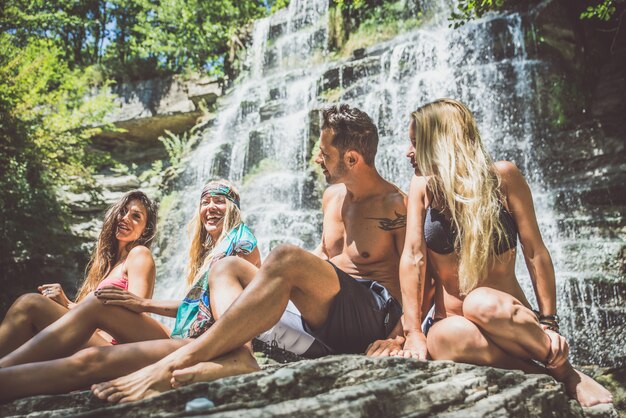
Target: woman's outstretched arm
pixel 114 296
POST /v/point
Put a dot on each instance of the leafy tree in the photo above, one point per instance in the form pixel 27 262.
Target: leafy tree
pixel 467 10
pixel 603 11
pixel 53 53
pixel 46 119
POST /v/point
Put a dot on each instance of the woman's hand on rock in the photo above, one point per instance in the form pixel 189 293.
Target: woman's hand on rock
pixel 414 346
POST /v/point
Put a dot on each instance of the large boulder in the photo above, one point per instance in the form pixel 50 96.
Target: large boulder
pixel 354 386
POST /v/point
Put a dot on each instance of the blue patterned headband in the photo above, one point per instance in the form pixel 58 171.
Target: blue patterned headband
pixel 218 189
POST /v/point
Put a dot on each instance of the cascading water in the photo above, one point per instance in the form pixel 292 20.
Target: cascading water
pixel 260 141
pixel 267 125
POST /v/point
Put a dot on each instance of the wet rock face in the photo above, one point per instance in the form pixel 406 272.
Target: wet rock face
pixel 342 386
pixel 581 154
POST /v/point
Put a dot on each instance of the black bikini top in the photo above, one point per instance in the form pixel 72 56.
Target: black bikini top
pixel 440 234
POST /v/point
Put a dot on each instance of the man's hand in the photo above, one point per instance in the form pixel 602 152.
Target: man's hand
pixel 414 346
pixel 54 292
pixel 385 348
pixel 112 295
pixel 559 349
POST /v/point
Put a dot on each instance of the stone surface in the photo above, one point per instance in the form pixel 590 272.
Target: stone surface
pixel 354 386
pixel 146 108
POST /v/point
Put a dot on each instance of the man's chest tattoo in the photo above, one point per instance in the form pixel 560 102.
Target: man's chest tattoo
pixel 387 224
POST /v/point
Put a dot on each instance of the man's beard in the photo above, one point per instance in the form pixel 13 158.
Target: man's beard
pixel 334 178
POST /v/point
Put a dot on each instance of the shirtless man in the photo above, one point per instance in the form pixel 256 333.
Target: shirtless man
pixel 342 290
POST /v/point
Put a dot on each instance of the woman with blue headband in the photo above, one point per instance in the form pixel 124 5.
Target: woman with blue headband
pixel 41 365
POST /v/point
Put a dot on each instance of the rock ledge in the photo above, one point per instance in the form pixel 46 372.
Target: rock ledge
pixel 355 386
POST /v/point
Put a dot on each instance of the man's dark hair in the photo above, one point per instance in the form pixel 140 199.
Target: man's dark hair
pixel 353 129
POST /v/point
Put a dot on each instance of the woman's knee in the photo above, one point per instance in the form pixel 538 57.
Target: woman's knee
pixel 483 306
pixel 453 339
pixel 27 305
pixel 88 361
pixel 225 266
pixel 90 301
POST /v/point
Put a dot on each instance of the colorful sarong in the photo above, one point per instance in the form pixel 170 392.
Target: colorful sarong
pixel 194 315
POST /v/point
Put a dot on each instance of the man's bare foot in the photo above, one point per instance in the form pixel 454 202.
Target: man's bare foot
pixel 142 384
pixel 238 362
pixel 586 390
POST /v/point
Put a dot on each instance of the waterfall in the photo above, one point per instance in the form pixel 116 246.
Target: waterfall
pixel 260 141
pixel 264 136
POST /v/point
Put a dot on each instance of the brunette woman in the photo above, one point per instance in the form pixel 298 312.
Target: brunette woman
pixel 121 258
pixel 41 366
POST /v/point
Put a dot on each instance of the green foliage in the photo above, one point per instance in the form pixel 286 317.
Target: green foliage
pixel 603 11
pixel 54 104
pixel 264 166
pixel 166 204
pixel 363 23
pixel 279 4
pixel 332 95
pixel 47 116
pixel 178 146
pixel 138 39
pixel 156 168
pixel 467 10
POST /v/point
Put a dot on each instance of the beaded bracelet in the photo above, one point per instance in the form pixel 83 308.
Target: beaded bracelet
pixel 552 326
pixel 550 321
pixel 553 318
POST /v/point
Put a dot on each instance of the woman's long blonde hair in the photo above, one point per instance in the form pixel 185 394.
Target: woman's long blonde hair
pixel 104 256
pixel 463 181
pixel 202 248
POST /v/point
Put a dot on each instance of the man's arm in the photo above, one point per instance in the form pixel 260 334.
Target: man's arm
pixel 394 341
pixel 321 250
pixel 413 271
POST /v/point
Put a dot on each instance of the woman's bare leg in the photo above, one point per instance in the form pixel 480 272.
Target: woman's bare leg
pixel 30 314
pixel 239 361
pixel 227 280
pixel 82 369
pixel 458 339
pixel 139 385
pixel 515 329
pixel 65 336
pixel 508 323
pixel 288 273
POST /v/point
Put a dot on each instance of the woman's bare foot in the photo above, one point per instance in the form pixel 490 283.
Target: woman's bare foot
pixel 145 383
pixel 238 362
pixel 586 390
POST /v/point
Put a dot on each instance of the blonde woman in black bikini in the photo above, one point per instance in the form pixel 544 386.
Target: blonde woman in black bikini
pixel 121 258
pixel 464 215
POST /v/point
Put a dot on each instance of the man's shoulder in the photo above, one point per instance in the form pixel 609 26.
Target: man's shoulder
pixel 394 197
pixel 334 191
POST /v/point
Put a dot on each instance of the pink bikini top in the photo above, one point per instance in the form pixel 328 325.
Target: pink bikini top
pixel 121 282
